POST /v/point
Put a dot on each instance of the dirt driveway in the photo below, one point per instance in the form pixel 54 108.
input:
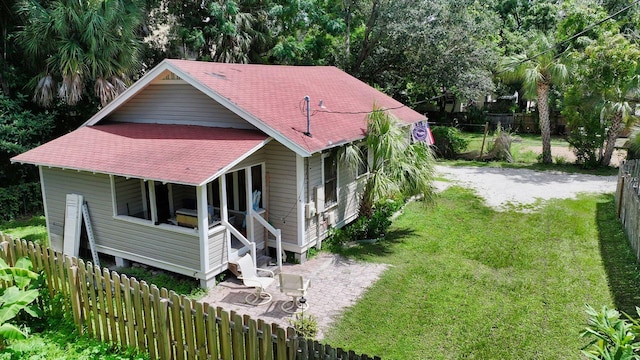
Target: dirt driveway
pixel 502 187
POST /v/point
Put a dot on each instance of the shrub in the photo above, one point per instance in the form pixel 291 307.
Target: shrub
pixel 615 338
pixel 449 141
pixel 305 325
pixel 17 298
pixel 19 200
pixel 365 227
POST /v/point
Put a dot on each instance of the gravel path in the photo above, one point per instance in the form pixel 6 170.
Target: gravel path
pixel 501 187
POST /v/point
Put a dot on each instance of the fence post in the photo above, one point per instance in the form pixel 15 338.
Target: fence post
pixel 5 252
pixel 75 298
pixel 164 345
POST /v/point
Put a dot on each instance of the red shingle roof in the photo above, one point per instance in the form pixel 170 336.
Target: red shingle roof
pixel 173 153
pixel 274 95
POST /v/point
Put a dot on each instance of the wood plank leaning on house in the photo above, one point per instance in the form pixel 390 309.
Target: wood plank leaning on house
pixel 131 313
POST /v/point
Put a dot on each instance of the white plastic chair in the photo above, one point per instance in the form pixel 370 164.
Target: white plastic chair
pixel 296 287
pixel 250 278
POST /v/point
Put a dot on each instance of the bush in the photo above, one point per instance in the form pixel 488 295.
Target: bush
pixel 20 200
pixel 365 227
pixel 615 338
pixel 449 141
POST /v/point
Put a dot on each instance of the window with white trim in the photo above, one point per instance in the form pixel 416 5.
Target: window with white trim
pixel 330 177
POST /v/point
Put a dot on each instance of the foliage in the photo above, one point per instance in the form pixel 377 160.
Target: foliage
pixel 398 168
pixel 586 131
pixel 615 338
pixel 80 44
pixel 18 297
pixel 633 152
pixel 306 325
pixel 21 129
pixel 608 72
pixel 20 200
pixel 363 228
pixel 449 141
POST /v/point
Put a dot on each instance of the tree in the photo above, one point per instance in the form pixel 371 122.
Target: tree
pixel 539 68
pixel 611 70
pixel 397 168
pixel 77 44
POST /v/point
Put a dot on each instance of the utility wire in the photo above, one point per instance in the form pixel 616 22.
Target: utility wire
pixel 574 36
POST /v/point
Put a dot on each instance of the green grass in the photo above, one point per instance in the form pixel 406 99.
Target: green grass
pixel 468 282
pixel 183 285
pixel 31 229
pixel 523 157
pixel 60 342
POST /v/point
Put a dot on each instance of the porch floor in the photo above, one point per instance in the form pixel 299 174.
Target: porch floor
pixel 336 283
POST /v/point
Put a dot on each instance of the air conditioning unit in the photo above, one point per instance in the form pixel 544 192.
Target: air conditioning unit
pixel 310 210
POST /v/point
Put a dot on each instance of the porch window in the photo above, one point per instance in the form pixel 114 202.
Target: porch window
pixel 330 177
pixel 132 198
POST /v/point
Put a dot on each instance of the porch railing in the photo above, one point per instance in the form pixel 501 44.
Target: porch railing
pixel 276 232
pixel 243 240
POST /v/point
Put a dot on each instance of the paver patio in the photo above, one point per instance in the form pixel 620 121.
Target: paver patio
pixel 336 283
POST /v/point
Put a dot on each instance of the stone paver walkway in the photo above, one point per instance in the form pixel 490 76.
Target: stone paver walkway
pixel 336 283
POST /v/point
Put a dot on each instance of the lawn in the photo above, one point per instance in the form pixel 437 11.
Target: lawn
pixel 469 282
pixel 30 229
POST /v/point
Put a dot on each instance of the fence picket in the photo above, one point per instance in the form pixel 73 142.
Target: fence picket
pixel 177 325
pixel 212 332
pixel 128 308
pixel 188 328
pixel 148 319
pixel 225 334
pixel 201 339
pixel 119 314
pixel 138 319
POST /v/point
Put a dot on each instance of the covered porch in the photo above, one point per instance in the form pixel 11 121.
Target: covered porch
pixel 226 215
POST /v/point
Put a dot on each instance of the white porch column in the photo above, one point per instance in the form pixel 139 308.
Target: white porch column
pixel 203 227
pixel 224 212
pixel 152 202
pixel 249 201
pixel 300 199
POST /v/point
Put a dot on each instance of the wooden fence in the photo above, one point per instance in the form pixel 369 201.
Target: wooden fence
pixel 130 313
pixel 628 201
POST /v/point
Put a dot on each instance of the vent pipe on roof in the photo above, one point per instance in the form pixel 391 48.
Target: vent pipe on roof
pixel 307 100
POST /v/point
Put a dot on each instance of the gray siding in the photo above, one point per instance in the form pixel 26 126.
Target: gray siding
pixel 129 199
pixel 177 104
pixel 255 159
pixel 148 241
pixel 349 191
pixel 217 248
pixel 281 188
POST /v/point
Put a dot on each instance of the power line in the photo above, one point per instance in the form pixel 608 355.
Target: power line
pixel 574 36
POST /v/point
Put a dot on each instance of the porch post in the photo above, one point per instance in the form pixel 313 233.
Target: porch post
pixel 224 213
pixel 249 200
pixel 300 200
pixel 203 227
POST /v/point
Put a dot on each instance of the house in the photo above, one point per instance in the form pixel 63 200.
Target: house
pixel 198 163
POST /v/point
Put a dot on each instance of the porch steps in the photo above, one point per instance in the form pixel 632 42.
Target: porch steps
pixel 263 261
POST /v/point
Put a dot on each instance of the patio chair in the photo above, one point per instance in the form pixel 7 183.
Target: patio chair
pixel 250 278
pixel 296 287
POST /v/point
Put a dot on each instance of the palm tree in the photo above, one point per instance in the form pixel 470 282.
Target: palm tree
pixel 78 43
pixel 539 68
pixel 397 166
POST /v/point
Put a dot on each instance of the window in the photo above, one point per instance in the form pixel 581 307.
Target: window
pixel 131 198
pixel 330 178
pixel 363 166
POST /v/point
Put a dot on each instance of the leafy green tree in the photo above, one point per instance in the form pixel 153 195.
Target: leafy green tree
pixel 607 78
pixel 76 44
pixel 539 68
pixel 21 129
pixel 397 167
